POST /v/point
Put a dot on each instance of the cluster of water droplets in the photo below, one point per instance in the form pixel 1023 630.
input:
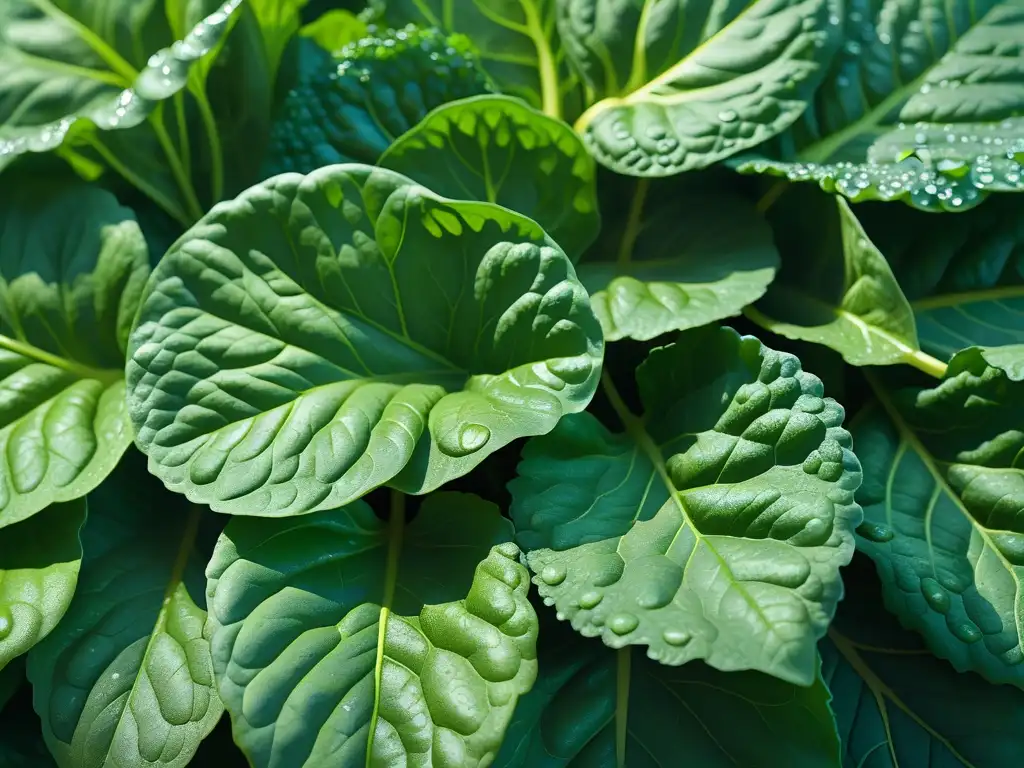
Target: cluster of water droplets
pixel 165 74
pixel 452 50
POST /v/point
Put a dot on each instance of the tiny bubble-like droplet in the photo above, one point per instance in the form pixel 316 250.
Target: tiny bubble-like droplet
pixel 623 623
pixel 590 599
pixel 728 116
pixel 469 439
pixel 676 637
pixel 553 574
pixel 966 631
pixel 935 595
pixel 876 532
pixel 6 623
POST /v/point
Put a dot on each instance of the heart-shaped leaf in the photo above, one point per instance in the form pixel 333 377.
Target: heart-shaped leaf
pixel 323 335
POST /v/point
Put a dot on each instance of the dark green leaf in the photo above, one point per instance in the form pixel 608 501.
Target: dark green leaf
pixel 922 105
pixel 686 84
pixel 498 149
pixel 324 335
pixel 72 267
pixel 740 566
pixel 943 488
pixel 342 640
pixel 39 563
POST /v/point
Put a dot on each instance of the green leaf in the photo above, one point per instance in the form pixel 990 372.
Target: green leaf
pixel 836 287
pixel 592 706
pixel 126 678
pixel 335 29
pixel 517 40
pixel 498 149
pixel 740 566
pixel 942 490
pixel 39 563
pixel 896 705
pixel 72 268
pixel 963 275
pixel 82 72
pixel 323 335
pixel 669 266
pixel 922 105
pixel 342 640
pixel 349 107
pixel 278 20
pixel 688 84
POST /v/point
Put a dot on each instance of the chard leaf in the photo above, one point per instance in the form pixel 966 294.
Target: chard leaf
pixel 740 565
pixel 923 105
pixel 517 40
pixel 79 72
pixel 39 563
pixel 349 106
pixel 666 265
pixel 72 267
pixel 594 708
pixel 687 84
pixel 501 150
pixel 836 288
pixel 365 643
pixel 895 703
pixel 323 335
pixel 126 678
pixel 963 275
pixel 942 493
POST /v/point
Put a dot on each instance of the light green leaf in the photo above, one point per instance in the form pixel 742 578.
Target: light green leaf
pixel 349 107
pixel 836 288
pixel 517 40
pixel 740 566
pixel 895 704
pixel 963 275
pixel 687 84
pixel 596 708
pixel 126 678
pixel 278 20
pixel 922 105
pixel 324 335
pixel 672 265
pixel 342 640
pixel 498 149
pixel 81 71
pixel 72 267
pixel 39 563
pixel 942 494
pixel 335 29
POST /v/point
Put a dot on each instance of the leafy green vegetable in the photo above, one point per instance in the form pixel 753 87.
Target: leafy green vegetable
pixel 683 84
pixel 350 107
pixel 335 29
pixel 740 565
pixel 39 563
pixel 593 708
pixel 262 380
pixel 498 149
pixel 661 268
pixel 342 640
pixel 126 677
pixel 72 267
pixel 922 105
pixel 941 496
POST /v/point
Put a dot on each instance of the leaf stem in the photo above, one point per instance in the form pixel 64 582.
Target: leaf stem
pixel 216 151
pixel 771 196
pixel 193 209
pixel 106 376
pixel 636 209
pixel 624 657
pixel 551 101
pixel 925 362
pixel 396 528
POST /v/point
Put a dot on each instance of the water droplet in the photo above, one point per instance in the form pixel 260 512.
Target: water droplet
pixel 553 575
pixel 6 623
pixel 469 439
pixel 955 168
pixel 623 623
pixel 676 637
pixel 966 631
pixel 935 595
pixel 728 116
pixel 590 599
pixel 876 532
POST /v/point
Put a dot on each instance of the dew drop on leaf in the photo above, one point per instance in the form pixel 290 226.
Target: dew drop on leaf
pixel 553 574
pixel 623 623
pixel 590 599
pixel 676 637
pixel 728 116
pixel 935 595
pixel 875 532
pixel 966 632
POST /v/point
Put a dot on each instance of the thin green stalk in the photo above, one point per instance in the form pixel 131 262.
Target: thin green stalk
pixel 137 181
pixel 771 196
pixel 181 176
pixel 213 137
pixel 179 114
pixel 636 209
pixel 551 101
pixel 78 369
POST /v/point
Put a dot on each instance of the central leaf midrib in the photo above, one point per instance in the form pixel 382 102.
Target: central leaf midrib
pixel 951 300
pixel 106 376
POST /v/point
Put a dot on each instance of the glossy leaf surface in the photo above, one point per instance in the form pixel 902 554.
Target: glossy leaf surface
pixel 740 565
pixel 72 267
pixel 347 329
pixel 498 149
pixel 941 497
pixel 342 640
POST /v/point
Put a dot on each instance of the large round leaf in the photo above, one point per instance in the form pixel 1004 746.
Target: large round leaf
pixel 755 476
pixel 942 496
pixel 126 677
pixel 498 149
pixel 39 563
pixel 72 267
pixel 341 640
pixel 323 335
